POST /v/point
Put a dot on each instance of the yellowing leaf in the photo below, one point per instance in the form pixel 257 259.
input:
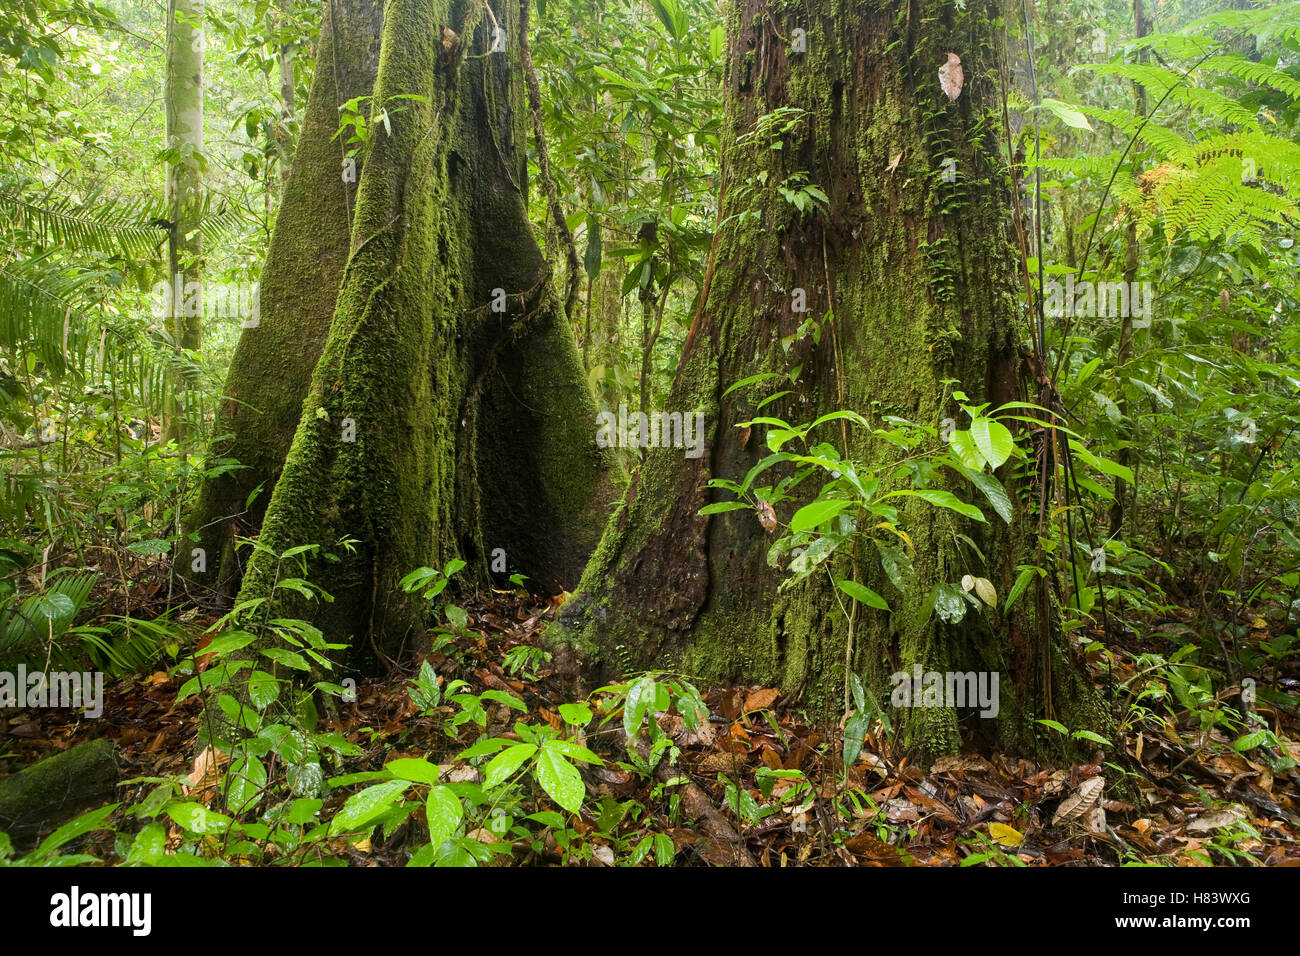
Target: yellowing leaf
pixel 1005 835
pixel 902 534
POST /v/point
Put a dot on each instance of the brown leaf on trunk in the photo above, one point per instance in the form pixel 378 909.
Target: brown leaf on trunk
pixel 951 76
pixel 766 516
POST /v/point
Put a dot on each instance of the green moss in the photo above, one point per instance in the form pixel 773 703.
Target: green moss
pixel 272 367
pixel 414 354
pixel 57 787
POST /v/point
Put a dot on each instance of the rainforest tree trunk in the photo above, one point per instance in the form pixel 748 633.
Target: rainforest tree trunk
pixel 913 256
pixel 183 104
pixel 272 366
pixel 448 415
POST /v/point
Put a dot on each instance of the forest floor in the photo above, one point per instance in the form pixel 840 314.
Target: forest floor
pixel 1195 800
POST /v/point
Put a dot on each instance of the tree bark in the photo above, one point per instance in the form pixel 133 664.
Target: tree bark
pixel 183 105
pixel 920 275
pixel 448 415
pixel 273 363
pixel 573 271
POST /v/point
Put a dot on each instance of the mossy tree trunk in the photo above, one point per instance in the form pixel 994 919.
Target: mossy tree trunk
pixel 920 275
pixel 448 415
pixel 273 363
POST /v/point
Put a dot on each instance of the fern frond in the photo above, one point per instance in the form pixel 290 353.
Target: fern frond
pixel 1264 23
pixel 1260 74
pixel 109 225
pixel 41 310
pixel 1208 103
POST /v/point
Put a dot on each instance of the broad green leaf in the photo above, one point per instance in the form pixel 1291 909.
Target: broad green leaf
pixel 303 810
pixel 963 446
pixel 287 658
pixel 245 781
pixel 225 643
pixel 841 414
pixel 609 76
pixel 575 750
pixel 949 602
pixel 94 820
pixel 559 778
pixel 413 769
pixel 640 695
pixel 993 439
pixel 150 844
pixel 665 851
pixel 941 499
pixel 1250 741
pixel 1022 582
pixel 424 856
pixel 812 515
pixel 719 507
pixel 367 804
pixel 501 697
pixel 1066 113
pixel 863 594
pixel 443 812
pixel 993 491
pixel 672 16
pixel 197 818
pixel 263 689
pixel 505 763
pixel 1094 737
pixel 855 728
pixel 750 380
pixel 577 715
pixel 717 44
pixel 489 745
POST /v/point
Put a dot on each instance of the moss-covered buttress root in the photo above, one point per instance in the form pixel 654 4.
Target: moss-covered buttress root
pixel 448 414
